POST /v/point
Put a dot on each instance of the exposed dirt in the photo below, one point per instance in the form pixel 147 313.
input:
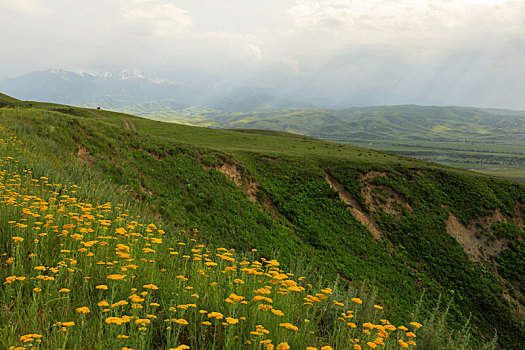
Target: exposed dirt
pixel 145 190
pixel 232 172
pixel 474 241
pixel 129 125
pixel 382 198
pixel 97 113
pixel 364 218
pixel 83 153
pixel 479 247
pixel 250 187
pixel 491 219
pixel 465 237
pixel 272 159
pixel 371 175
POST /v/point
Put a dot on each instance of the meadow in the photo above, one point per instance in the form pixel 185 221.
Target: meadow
pixel 79 275
pixel 259 197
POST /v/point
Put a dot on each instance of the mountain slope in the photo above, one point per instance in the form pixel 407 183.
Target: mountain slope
pixel 4 99
pixel 404 225
pixel 469 138
pixel 128 87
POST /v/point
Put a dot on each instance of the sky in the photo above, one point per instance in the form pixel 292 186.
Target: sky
pixel 352 52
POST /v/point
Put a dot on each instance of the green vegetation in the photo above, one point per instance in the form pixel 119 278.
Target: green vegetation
pixel 99 277
pixel 511 264
pixel 487 140
pixel 272 191
pixel 4 100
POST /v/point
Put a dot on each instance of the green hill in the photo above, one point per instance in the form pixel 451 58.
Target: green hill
pixel 4 99
pixel 409 228
pixel 490 140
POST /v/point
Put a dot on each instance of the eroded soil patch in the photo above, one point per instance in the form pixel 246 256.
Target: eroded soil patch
pixel 83 153
pixel 475 242
pixel 355 208
pixel 382 198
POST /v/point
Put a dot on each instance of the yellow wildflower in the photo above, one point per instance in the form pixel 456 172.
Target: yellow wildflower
pixel 288 326
pixel 82 310
pixel 150 286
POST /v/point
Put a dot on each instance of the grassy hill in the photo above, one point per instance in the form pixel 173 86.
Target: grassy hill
pixel 4 99
pixel 396 227
pixel 470 138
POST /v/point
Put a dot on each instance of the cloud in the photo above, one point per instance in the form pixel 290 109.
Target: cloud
pixel 333 47
pixel 26 7
pixel 374 21
pixel 253 51
pixel 156 17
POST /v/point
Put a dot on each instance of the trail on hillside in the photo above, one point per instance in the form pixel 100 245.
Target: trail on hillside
pixel 97 113
pixel 129 125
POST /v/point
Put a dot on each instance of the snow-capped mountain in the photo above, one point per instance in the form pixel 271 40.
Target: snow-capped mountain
pixel 86 87
pixel 126 87
pixel 101 75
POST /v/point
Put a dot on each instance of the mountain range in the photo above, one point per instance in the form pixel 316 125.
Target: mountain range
pixel 126 87
pixel 467 137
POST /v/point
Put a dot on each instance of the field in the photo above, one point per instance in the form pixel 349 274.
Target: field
pixel 350 219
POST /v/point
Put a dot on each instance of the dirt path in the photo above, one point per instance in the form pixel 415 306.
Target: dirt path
pixel 97 113
pixel 129 125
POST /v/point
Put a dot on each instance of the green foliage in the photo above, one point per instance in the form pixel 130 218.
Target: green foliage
pixel 469 138
pixel 511 264
pixel 506 230
pixel 169 172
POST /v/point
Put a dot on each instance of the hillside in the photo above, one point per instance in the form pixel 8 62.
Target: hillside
pixel 402 225
pixel 470 138
pixel 4 99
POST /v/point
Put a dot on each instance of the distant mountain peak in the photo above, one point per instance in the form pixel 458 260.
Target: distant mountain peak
pixel 102 75
pixel 126 74
pixel 95 73
pixel 64 74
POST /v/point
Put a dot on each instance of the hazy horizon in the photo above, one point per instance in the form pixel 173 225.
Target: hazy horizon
pixel 348 53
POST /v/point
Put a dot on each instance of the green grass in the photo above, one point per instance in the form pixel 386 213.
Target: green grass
pixel 470 138
pixel 514 174
pixel 84 276
pixel 167 172
pixel 4 99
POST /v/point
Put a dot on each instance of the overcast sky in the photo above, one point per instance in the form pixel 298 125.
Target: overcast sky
pixel 448 52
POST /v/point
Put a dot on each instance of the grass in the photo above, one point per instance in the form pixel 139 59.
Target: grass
pixel 78 275
pixel 508 173
pixel 470 138
pixel 170 173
